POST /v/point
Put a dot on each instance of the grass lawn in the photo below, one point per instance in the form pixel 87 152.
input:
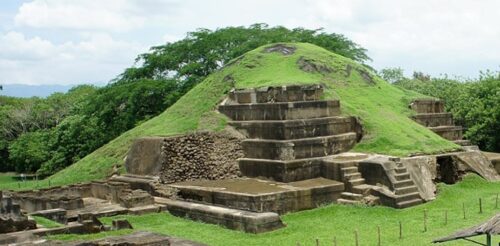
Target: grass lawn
pixel 46 222
pixel 341 221
pixel 383 108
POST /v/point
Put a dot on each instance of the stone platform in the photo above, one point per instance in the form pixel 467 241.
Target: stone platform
pixel 258 195
pixel 296 129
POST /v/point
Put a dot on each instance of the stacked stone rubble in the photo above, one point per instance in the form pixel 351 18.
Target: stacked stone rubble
pixel 202 155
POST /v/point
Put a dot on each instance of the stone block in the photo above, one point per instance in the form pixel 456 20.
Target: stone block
pixel 246 221
pixel 282 171
pixel 298 148
pixel 58 215
pixel 427 105
pixel 121 224
pixel 295 129
pixel 144 157
pixel 281 111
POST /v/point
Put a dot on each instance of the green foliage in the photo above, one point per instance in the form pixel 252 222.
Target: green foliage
pixel 340 221
pixel 392 75
pixel 475 104
pixel 29 151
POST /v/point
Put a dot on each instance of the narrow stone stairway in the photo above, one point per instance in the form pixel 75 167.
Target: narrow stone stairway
pixel 405 190
pixel 356 188
pixel 431 114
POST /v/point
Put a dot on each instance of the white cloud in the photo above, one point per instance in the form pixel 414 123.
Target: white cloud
pixel 109 15
pixel 433 36
pixel 67 41
pixel 97 58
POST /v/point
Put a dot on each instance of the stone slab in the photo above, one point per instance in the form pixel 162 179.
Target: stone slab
pixel 144 157
pixel 230 218
pixel 298 148
pixel 295 129
pixel 289 93
pixel 434 119
pixel 448 132
pixel 427 105
pixel 261 195
pixel 494 158
pixel 282 171
pixel 281 111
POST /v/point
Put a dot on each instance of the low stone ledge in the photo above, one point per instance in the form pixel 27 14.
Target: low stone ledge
pixel 230 218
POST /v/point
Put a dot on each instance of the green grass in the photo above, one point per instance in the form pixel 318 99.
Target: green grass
pixel 381 107
pixel 46 222
pixel 340 221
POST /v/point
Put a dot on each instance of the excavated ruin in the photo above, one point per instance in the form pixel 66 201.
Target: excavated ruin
pixel 284 150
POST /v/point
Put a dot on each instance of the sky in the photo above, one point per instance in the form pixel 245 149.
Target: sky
pixel 72 42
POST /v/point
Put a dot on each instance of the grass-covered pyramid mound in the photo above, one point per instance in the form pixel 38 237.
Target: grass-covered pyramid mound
pixel 383 108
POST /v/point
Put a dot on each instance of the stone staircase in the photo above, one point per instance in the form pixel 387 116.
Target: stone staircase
pixel 405 190
pixel 356 189
pixel 431 114
pixel 289 131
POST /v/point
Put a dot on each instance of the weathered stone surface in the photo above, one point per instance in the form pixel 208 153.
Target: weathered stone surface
pixel 144 157
pixel 494 158
pixel 448 132
pixel 282 171
pixel 290 93
pixel 231 218
pixel 203 155
pixel 57 214
pixel 139 238
pixel 262 196
pixel 422 170
pixel 475 161
pixel 434 119
pixel 427 106
pixel 298 148
pixel 121 224
pixel 135 198
pixel 281 111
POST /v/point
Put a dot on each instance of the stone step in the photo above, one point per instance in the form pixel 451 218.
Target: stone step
pixel 258 195
pixel 282 171
pixel 281 110
pixel 402 176
pixel 348 201
pixel 407 197
pixel 355 182
pixel 349 170
pixel 403 183
pixel 401 170
pixel 434 119
pixel 234 219
pixel 463 142
pixel 409 203
pixel 351 196
pixel 289 93
pixel 352 176
pixel 362 189
pixel 295 129
pixel 448 132
pixel 298 148
pixel 406 190
pixel 427 105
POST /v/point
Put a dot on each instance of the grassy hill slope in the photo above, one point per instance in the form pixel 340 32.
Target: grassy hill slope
pixel 381 106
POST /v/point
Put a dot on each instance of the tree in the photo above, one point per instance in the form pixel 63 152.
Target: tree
pixel 201 52
pixel 392 75
pixel 29 151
